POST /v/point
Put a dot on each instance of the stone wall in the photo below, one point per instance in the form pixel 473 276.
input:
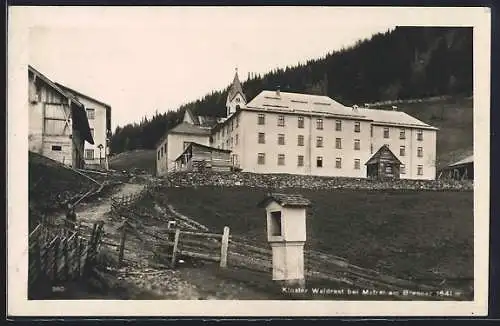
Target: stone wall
pixel 287 181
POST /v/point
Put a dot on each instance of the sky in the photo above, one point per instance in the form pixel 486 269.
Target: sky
pixel 159 58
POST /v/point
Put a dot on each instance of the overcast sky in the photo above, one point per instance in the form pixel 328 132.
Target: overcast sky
pixel 159 58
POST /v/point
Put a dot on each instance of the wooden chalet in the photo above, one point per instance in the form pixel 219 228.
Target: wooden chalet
pixel 383 165
pixel 198 157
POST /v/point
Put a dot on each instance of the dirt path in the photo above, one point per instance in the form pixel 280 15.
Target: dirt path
pixel 141 279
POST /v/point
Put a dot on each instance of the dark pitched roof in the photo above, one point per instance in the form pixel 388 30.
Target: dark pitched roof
pixel 66 88
pixel 235 88
pixel 187 128
pixel 286 200
pixel 76 93
pixel 376 157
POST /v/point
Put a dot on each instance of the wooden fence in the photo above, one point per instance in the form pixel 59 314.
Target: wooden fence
pixel 61 254
pixel 169 245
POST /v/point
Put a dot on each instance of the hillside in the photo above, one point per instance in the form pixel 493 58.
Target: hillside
pixel 51 184
pixel 424 236
pixel 424 62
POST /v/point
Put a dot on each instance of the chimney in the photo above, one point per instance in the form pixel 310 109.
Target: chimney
pixel 278 91
pixel 355 108
pixel 394 108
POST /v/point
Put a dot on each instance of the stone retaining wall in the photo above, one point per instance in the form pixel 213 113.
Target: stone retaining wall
pixel 284 181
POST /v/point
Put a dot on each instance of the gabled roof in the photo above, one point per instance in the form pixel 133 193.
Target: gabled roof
pixel 54 85
pixel 323 105
pixel 202 120
pixel 467 160
pixel 394 118
pixel 235 88
pixel 301 104
pixel 285 200
pixel 376 157
pixel 187 128
pixel 66 88
pixel 77 108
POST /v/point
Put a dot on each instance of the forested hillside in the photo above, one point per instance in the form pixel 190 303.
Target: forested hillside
pixel 407 62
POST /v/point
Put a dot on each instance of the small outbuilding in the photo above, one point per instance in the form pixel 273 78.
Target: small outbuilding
pixel 460 170
pixel 383 165
pixel 198 157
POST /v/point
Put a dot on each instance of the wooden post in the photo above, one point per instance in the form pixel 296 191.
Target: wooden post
pixel 176 243
pixel 122 244
pixel 55 252
pixel 223 248
pixel 79 252
pixel 66 259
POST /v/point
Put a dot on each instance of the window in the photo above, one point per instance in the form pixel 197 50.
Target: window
pixel 237 100
pixel 319 124
pixel 402 169
pixel 261 119
pixel 402 151
pixel 227 143
pixel 420 170
pixel 388 169
pixel 319 161
pixel 90 114
pixel 158 155
pixel 371 131
pixel 185 144
pixel 300 160
pixel 237 121
pixel 420 152
pixel 232 125
pixel 262 138
pixel 338 125
pixel 165 148
pixel 371 148
pixel 300 140
pixel 236 139
pixel 357 126
pixel 276 223
pixel 223 130
pixel 261 158
pixel 92 132
pixel 161 150
pixel 56 148
pixel 402 134
pixel 300 122
pixel 281 159
pixel 338 163
pixel 319 141
pixel 281 121
pixel 386 132
pixel 356 164
pixel 357 145
pixel 338 143
pixel 231 142
pixel 281 139
pixel 420 135
pixel 89 154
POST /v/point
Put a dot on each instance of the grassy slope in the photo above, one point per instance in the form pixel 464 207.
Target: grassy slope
pixel 406 233
pixel 50 185
pixel 454 139
pixel 139 159
pixel 454 118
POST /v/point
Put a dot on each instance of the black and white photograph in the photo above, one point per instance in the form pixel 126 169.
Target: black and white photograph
pixel 299 160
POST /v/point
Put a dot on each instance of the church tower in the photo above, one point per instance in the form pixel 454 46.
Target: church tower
pixel 235 97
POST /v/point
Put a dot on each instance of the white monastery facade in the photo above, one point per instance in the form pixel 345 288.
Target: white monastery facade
pixel 281 132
